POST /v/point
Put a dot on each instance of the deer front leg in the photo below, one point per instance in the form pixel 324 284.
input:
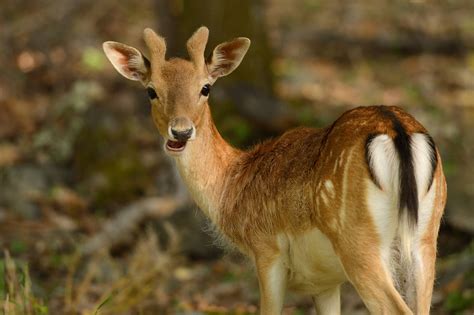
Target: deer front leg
pixel 328 302
pixel 272 277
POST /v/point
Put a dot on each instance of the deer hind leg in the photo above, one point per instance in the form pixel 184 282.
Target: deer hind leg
pixel 367 272
pixel 328 302
pixel 431 210
pixel 425 273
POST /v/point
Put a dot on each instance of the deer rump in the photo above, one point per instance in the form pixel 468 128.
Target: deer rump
pixel 403 168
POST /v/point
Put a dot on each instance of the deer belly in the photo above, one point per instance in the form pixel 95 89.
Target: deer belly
pixel 313 264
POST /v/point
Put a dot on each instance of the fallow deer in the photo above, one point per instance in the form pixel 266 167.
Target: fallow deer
pixel 358 201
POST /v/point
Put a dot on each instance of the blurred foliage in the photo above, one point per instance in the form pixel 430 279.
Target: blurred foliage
pixel 108 164
pixel 456 302
pixel 77 144
pixel 16 290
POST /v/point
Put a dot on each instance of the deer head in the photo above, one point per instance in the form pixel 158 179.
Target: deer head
pixel 178 89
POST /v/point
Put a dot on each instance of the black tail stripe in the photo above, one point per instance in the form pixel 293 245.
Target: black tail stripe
pixel 433 158
pixel 408 188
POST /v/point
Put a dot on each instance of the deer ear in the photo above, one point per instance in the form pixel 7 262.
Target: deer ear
pixel 128 61
pixel 226 57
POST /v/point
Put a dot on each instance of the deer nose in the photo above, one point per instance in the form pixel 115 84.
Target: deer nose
pixel 182 135
pixel 181 129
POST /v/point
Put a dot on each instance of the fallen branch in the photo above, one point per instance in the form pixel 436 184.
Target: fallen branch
pixel 119 228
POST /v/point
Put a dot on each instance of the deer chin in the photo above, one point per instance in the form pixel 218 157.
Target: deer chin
pixel 174 147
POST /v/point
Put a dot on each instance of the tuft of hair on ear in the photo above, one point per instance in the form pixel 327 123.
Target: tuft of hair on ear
pixel 196 45
pixel 227 56
pixel 128 61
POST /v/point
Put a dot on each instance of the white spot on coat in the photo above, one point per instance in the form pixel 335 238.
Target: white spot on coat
pixel 330 188
pixel 324 198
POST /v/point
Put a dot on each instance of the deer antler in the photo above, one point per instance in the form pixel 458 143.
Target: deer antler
pixel 156 44
pixel 196 46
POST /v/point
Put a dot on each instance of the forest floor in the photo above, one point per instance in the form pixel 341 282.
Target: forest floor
pixel 77 152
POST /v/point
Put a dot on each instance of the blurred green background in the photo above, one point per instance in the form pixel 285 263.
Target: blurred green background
pixel 90 213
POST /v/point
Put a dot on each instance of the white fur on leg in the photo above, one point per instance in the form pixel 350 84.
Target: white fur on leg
pixel 328 302
pixel 272 282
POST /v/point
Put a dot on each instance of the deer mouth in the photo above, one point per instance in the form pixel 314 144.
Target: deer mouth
pixel 175 146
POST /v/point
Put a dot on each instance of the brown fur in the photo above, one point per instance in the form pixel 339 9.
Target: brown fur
pixel 285 173
pixel 289 185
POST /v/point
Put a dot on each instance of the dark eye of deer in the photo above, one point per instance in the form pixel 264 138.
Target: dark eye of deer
pixel 206 89
pixel 151 93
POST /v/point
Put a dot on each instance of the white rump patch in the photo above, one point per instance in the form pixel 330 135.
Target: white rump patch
pixel 422 154
pixel 425 210
pixel 384 163
pixel 422 164
pixel 383 201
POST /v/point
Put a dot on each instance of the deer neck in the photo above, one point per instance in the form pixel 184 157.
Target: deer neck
pixel 205 163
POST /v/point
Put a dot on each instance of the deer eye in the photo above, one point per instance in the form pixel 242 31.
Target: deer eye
pixel 206 89
pixel 151 93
